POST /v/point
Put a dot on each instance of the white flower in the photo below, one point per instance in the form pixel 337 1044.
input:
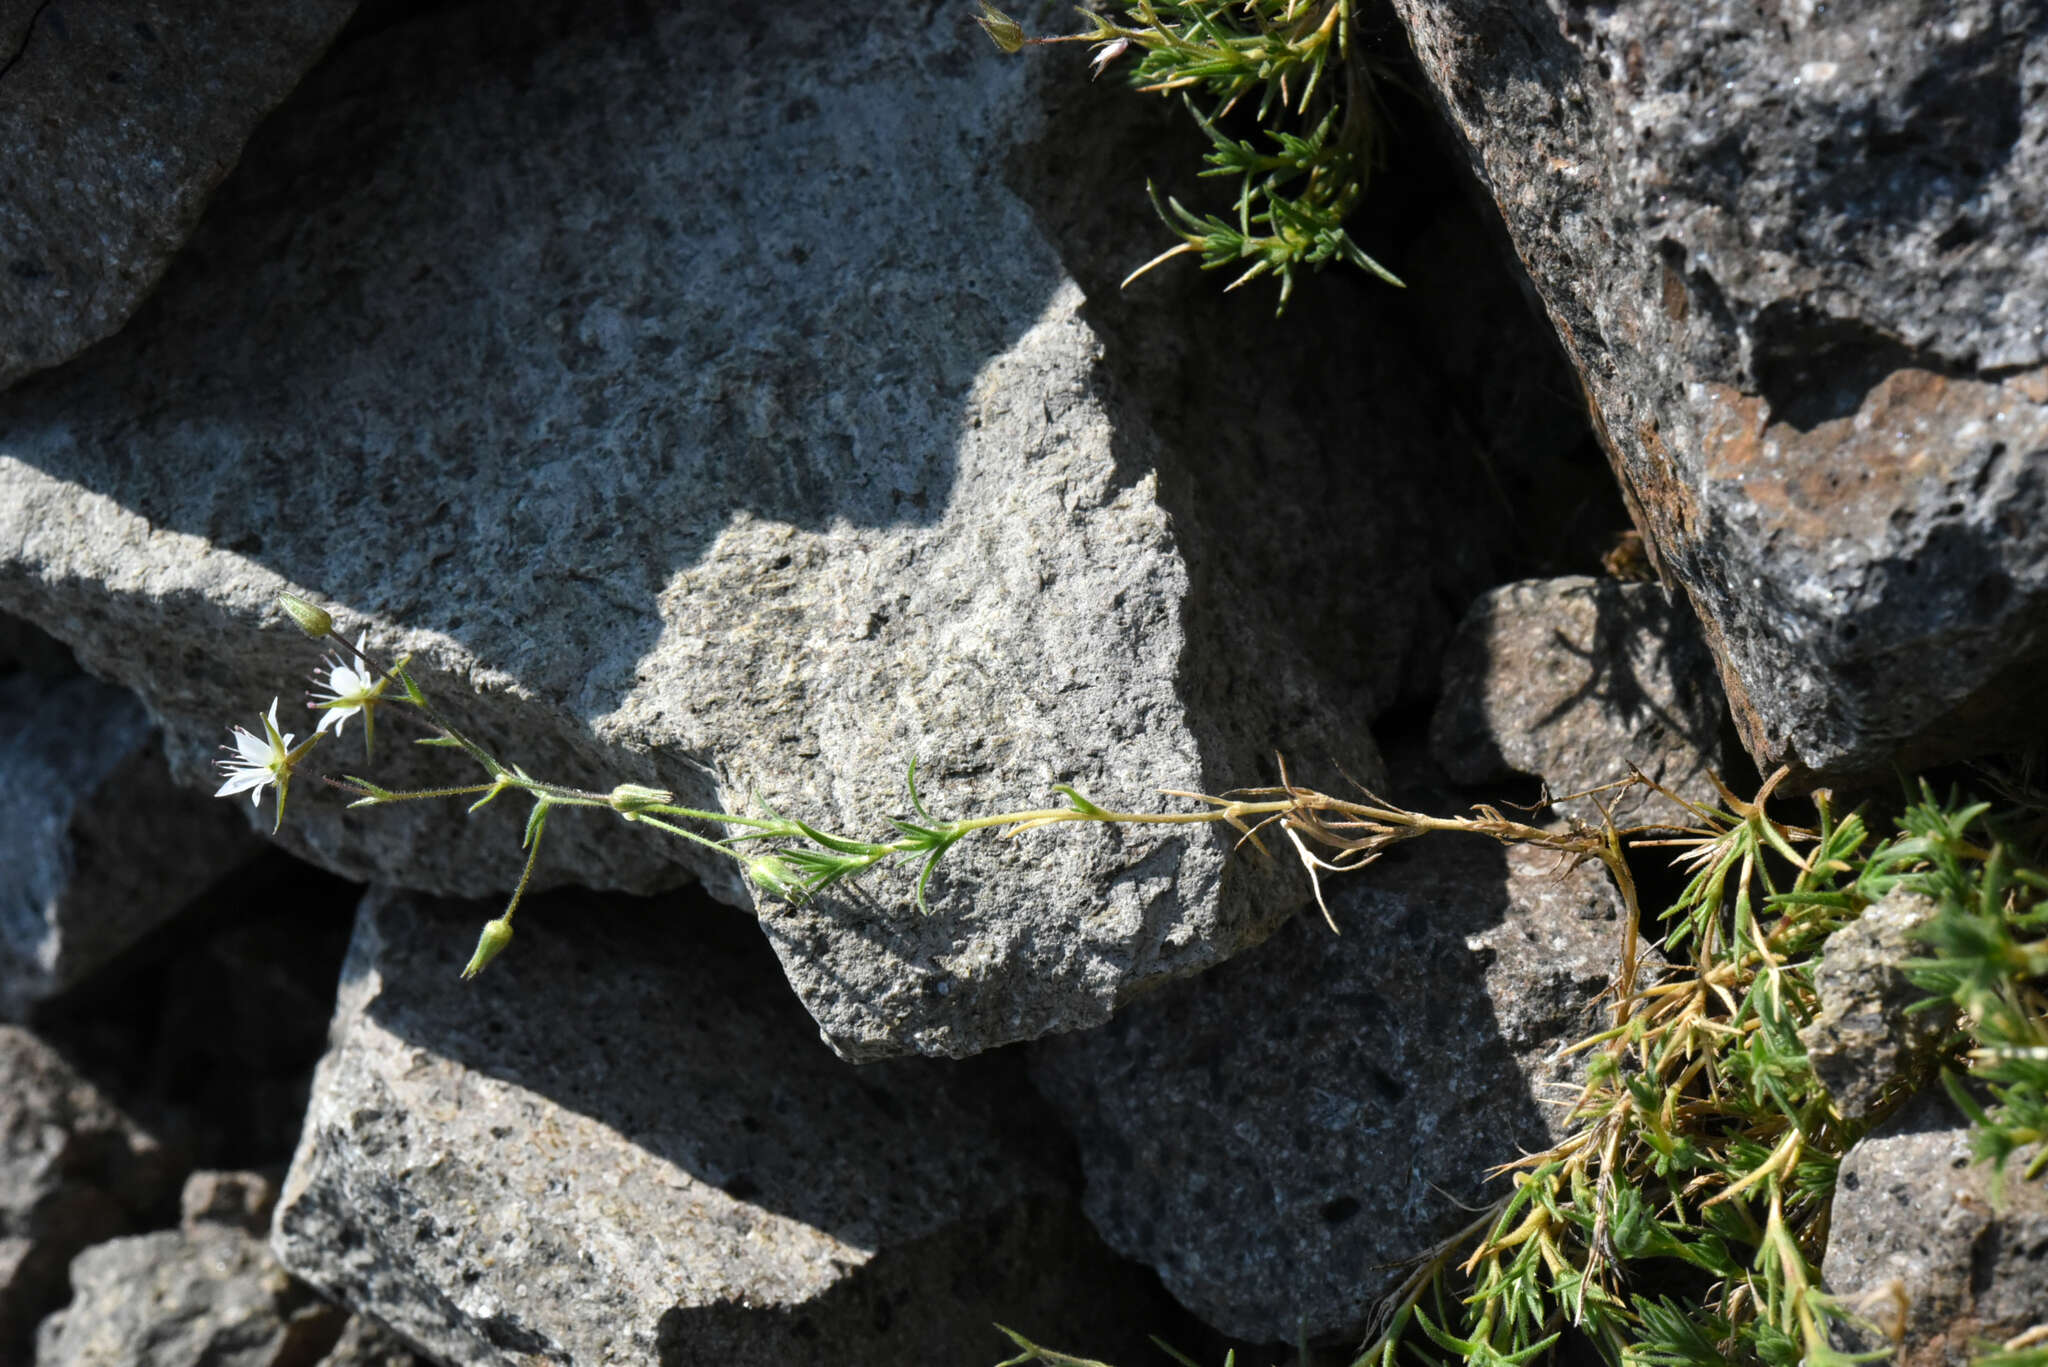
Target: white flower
pixel 350 687
pixel 256 762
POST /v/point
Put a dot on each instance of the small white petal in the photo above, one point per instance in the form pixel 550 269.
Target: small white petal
pixel 254 749
pixel 241 781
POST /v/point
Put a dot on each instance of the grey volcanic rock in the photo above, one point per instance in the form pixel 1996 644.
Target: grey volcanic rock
pixel 1573 680
pixel 1917 1242
pixel 1799 262
pixel 1274 1136
pixel 628 1144
pixel 100 846
pixel 73 1170
pixel 206 1296
pixel 735 434
pixel 240 1200
pixel 1862 1041
pixel 117 120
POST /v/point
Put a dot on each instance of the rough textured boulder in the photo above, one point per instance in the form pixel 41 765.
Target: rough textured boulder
pixel 207 1294
pixel 737 434
pixel 1276 1135
pixel 1800 265
pixel 629 1145
pixel 1918 1244
pixel 1862 1041
pixel 99 845
pixel 117 120
pixel 73 1170
pixel 1573 680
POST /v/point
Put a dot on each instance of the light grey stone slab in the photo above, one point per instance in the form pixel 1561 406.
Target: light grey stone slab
pixel 736 432
pixel 631 1147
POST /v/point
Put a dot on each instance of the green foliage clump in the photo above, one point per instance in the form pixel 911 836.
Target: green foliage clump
pixel 1682 1221
pixel 1288 67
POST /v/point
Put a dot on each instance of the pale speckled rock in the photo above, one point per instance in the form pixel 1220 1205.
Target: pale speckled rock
pixel 733 433
pixel 1862 1042
pixel 99 845
pixel 73 1170
pixel 1918 1243
pixel 1276 1135
pixel 1797 255
pixel 206 1296
pixel 240 1200
pixel 1573 680
pixel 628 1145
pixel 117 120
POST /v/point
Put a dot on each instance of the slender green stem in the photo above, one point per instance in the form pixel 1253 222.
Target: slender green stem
pixel 685 833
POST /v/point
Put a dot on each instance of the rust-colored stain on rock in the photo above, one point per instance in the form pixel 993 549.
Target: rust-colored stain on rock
pixel 1916 435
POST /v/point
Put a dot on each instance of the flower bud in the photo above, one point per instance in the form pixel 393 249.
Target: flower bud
pixel 312 619
pixel 497 934
pixel 632 797
pixel 1007 32
pixel 775 877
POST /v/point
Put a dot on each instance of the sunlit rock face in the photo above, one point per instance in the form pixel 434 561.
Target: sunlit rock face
pixel 1797 257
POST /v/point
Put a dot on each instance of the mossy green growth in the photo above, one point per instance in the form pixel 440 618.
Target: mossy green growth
pixel 1288 67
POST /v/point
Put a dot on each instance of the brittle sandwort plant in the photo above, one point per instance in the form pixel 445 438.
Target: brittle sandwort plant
pixel 1289 66
pixel 1682 1218
pixel 792 859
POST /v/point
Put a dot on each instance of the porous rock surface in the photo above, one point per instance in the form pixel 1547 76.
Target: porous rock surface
pixel 117 120
pixel 737 434
pixel 630 1146
pixel 1862 1040
pixel 1573 680
pixel 1797 256
pixel 99 845
pixel 1277 1135
pixel 205 1296
pixel 73 1170
pixel 1921 1245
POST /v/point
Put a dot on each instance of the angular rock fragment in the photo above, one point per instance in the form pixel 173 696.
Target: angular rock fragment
pixel 99 844
pixel 240 1200
pixel 73 1170
pixel 1862 1042
pixel 735 435
pixel 629 1145
pixel 1799 266
pixel 1574 680
pixel 1275 1136
pixel 117 120
pixel 1918 1244
pixel 209 1295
